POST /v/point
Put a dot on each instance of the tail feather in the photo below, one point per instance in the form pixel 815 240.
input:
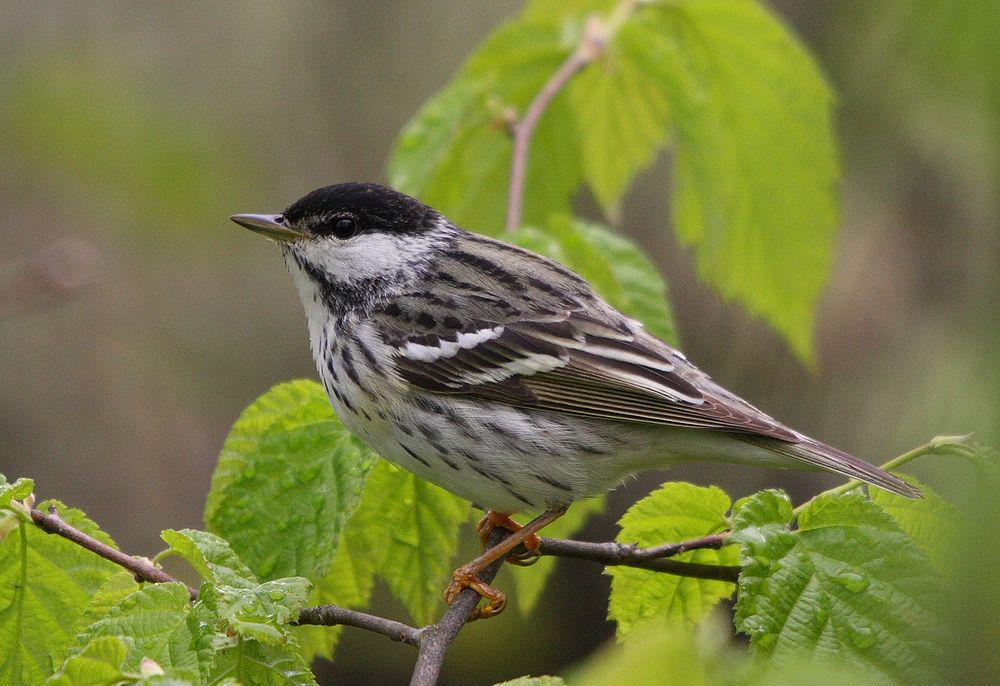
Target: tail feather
pixel 822 456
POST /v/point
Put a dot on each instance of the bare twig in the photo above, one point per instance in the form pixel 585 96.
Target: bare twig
pixel 332 615
pixel 435 639
pixel 143 569
pixel 596 34
pixel 653 558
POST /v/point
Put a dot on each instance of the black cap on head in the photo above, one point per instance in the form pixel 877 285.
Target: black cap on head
pixel 374 207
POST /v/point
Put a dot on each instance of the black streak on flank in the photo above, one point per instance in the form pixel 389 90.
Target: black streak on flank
pixel 426 320
pixel 553 483
pixel 345 354
pixel 415 456
pixel 370 357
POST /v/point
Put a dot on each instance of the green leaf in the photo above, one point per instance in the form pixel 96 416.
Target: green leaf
pixel 211 556
pixel 99 664
pixel 348 584
pixel 670 652
pixel 530 581
pixel 749 120
pixel 411 527
pixel 846 584
pixel 617 268
pixel 155 623
pixel 756 169
pixel 675 512
pixel 455 154
pixel 931 522
pixel 203 643
pixel 288 478
pixel 534 681
pixel 771 506
pixel 45 584
pixel 622 113
pixel 110 593
pixel 19 490
pixel 258 611
pixel 262 613
pixel 250 662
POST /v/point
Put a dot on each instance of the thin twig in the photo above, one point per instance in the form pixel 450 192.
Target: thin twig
pixel 143 569
pixel 435 639
pixel 596 35
pixel 332 615
pixel 653 558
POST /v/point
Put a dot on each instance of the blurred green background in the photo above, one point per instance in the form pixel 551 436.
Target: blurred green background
pixel 137 321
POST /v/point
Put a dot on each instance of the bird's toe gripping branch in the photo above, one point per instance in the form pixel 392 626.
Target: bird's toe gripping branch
pixel 494 520
pixel 467 576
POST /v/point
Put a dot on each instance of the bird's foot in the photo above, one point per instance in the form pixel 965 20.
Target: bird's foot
pixel 531 543
pixel 465 577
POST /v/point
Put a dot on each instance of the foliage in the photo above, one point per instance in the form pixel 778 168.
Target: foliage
pixel 675 512
pixel 846 578
pixel 846 581
pixel 755 170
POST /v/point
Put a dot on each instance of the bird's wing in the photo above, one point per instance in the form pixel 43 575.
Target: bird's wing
pixel 479 333
pixel 572 366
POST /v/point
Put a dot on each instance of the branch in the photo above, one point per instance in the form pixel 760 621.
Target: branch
pixel 435 639
pixel 143 569
pixel 653 558
pixel 332 615
pixel 596 34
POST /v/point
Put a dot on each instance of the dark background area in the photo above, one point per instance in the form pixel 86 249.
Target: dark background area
pixel 129 136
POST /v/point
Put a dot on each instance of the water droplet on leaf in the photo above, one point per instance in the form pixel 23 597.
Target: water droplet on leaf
pixel 861 636
pixel 852 581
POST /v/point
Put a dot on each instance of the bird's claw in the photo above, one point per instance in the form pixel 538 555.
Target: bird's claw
pixel 492 520
pixel 465 577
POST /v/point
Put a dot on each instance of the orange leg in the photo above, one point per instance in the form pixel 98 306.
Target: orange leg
pixel 466 576
pixel 491 520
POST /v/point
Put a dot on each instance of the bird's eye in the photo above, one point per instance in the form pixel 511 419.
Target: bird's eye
pixel 344 228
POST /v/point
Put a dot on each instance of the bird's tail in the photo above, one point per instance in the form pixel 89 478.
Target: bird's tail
pixel 821 456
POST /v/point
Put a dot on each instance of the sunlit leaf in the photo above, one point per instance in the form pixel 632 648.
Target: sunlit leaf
pixel 674 513
pixel 847 585
pixel 288 478
pixel 45 585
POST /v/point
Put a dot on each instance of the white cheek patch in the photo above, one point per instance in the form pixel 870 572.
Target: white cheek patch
pixel 365 256
pixel 430 353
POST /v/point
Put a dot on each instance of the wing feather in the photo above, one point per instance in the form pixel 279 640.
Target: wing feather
pixel 572 365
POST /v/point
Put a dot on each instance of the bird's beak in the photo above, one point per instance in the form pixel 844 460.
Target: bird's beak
pixel 268 225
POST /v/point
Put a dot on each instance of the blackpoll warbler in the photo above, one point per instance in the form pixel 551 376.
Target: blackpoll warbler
pixel 499 374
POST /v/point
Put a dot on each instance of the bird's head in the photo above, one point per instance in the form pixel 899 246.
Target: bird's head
pixel 353 240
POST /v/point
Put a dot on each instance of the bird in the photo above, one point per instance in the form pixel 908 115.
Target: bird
pixel 501 375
